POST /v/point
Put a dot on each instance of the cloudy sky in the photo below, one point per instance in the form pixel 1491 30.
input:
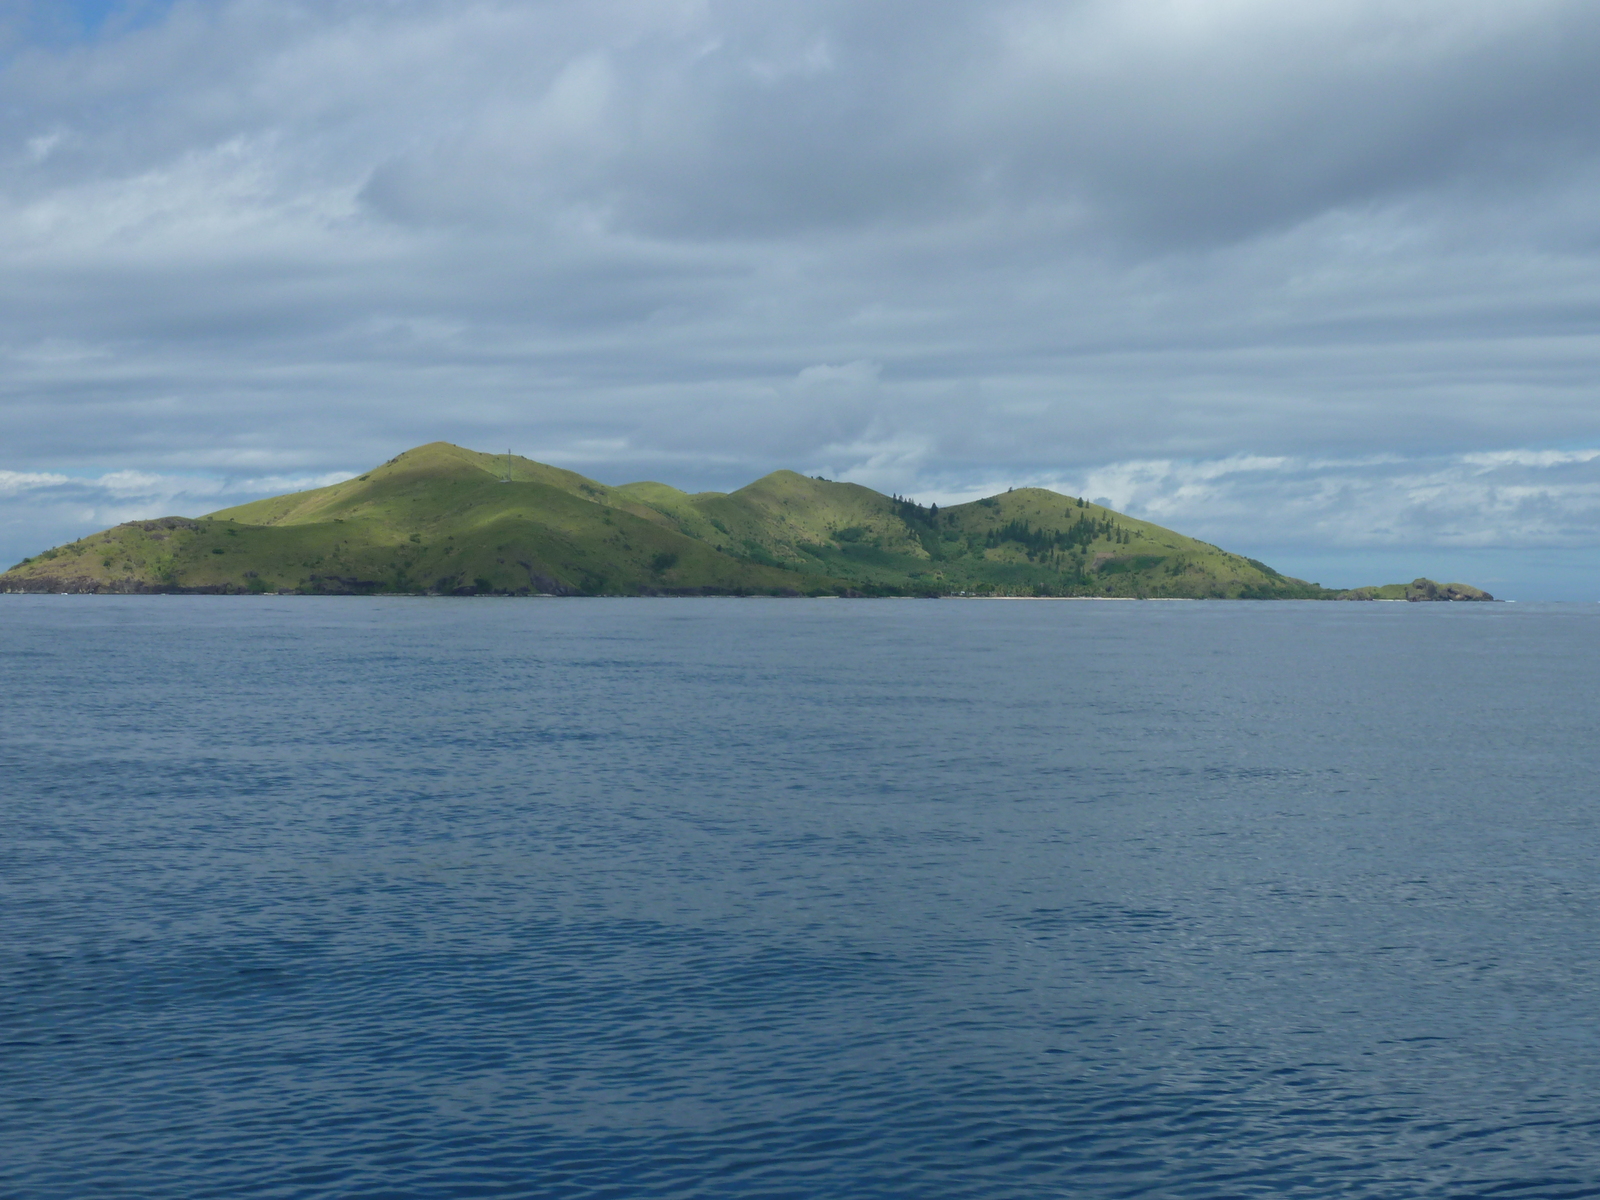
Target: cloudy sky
pixel 1316 281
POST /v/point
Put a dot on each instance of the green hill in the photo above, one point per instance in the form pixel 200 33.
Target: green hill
pixel 442 520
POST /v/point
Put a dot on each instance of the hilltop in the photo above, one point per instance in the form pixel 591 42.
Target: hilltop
pixel 443 520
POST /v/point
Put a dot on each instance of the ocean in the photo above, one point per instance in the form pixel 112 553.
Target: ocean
pixel 412 898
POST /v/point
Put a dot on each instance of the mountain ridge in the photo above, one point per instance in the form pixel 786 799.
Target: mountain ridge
pixel 440 519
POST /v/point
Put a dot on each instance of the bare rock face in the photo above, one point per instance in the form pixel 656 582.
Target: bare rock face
pixel 1427 589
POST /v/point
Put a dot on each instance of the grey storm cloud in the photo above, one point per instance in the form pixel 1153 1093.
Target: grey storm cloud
pixel 936 247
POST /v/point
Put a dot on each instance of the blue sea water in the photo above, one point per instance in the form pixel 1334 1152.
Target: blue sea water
pixel 747 898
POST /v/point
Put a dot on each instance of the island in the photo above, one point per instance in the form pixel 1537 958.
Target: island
pixel 441 520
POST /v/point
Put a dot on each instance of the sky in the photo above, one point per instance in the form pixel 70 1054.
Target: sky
pixel 1316 282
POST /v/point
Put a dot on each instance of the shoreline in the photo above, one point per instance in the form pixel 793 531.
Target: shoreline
pixel 741 596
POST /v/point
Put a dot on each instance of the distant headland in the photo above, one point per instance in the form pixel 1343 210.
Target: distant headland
pixel 443 520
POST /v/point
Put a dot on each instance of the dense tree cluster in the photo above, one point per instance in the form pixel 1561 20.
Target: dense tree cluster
pixel 1081 532
pixel 912 513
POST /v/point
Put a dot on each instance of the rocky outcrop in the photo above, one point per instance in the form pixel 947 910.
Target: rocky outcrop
pixel 1418 590
pixel 1427 589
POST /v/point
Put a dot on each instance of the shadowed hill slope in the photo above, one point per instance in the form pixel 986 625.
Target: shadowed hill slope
pixel 443 520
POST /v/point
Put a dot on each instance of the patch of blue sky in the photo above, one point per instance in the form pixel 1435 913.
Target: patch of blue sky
pixel 59 21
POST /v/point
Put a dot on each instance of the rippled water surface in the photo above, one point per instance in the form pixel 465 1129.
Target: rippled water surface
pixel 723 898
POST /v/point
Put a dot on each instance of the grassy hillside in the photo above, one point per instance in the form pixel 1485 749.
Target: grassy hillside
pixel 434 520
pixel 441 519
pixel 1025 542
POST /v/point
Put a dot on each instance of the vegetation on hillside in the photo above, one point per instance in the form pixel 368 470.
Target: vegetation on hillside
pixel 442 520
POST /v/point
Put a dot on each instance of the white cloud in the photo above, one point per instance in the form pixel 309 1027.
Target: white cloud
pixel 859 374
pixel 12 482
pixel 49 500
pixel 1511 498
pixel 40 147
pixel 1529 458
